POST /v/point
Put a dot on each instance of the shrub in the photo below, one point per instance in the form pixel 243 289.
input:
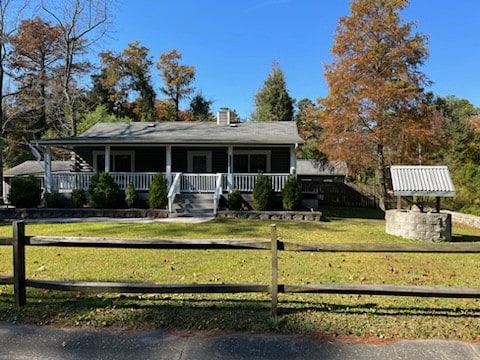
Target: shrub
pixel 235 200
pixel 157 194
pixel 24 192
pixel 79 198
pixel 292 194
pixel 131 196
pixel 104 192
pixel 263 195
pixel 53 200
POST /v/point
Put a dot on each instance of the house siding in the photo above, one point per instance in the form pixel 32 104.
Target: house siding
pixel 150 159
pixel 280 160
pixel 180 158
pixel 153 159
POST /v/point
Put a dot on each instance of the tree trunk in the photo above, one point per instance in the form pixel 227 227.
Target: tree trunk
pixel 382 194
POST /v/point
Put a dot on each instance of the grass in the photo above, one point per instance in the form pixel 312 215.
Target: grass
pixel 330 315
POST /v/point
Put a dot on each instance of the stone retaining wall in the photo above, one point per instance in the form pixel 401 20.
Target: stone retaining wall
pixel 419 226
pixel 466 219
pixel 271 215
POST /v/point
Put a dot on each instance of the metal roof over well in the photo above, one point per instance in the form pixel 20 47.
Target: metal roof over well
pixel 420 180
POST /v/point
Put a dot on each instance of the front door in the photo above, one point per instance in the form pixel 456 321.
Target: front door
pixel 199 162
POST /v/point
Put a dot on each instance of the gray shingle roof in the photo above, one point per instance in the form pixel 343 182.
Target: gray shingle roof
pixel 32 167
pixel 319 168
pixel 254 133
pixel 421 181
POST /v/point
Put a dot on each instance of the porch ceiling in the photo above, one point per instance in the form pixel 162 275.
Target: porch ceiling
pixel 251 133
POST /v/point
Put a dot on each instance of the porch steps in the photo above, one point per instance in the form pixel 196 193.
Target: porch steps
pixel 193 204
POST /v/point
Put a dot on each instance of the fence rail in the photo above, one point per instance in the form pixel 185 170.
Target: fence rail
pixel 274 245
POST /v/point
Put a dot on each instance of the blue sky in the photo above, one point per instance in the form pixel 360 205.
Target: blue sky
pixel 232 43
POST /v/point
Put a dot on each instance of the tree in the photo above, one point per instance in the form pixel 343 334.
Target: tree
pixel 82 22
pixel 177 78
pixel 376 111
pixel 461 152
pixel 307 118
pixel 272 102
pixel 200 108
pixel 100 114
pixel 124 77
pixel 36 51
pixel 10 12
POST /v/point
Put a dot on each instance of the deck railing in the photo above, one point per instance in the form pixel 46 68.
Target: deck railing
pixel 174 190
pixel 198 183
pixel 206 183
pixel 246 182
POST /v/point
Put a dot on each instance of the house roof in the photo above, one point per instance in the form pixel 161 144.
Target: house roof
pixel 421 181
pixel 32 167
pixel 249 133
pixel 321 168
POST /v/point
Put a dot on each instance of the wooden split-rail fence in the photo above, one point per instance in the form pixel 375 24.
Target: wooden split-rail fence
pixel 274 245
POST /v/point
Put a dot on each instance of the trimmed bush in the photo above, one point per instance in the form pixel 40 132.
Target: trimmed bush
pixel 157 194
pixel 79 198
pixel 235 199
pixel 263 195
pixel 52 200
pixel 104 192
pixel 292 194
pixel 24 192
pixel 131 196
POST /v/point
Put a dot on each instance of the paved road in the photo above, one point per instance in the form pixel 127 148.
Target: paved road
pixel 38 343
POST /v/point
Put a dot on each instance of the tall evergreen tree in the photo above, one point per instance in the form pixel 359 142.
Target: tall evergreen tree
pixel 200 108
pixel 376 111
pixel 272 102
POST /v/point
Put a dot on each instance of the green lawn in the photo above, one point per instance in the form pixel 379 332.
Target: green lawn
pixel 384 317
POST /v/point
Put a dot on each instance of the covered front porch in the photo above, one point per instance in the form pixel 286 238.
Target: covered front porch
pixel 196 157
pixel 213 184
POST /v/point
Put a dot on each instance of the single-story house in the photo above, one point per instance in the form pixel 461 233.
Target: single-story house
pixel 195 157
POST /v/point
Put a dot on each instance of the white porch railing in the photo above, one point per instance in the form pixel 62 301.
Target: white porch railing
pixel 141 181
pixel 71 181
pixel 198 183
pixel 246 182
pixel 81 180
pixel 218 192
pixel 174 190
pixel 206 183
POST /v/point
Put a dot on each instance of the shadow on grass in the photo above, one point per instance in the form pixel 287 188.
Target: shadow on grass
pixel 330 213
pixel 375 309
pixel 194 312
pixel 465 238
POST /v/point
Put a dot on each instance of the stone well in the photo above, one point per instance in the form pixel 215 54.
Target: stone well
pixel 419 225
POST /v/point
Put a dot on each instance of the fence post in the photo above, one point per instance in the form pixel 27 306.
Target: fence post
pixel 274 286
pixel 19 288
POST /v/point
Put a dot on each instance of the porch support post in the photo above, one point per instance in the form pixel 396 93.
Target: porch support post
pixel 107 158
pixel 230 169
pixel 293 160
pixel 48 169
pixel 168 164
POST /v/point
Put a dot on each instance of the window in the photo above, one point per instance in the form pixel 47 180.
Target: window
pixel 199 162
pixel 245 161
pixel 120 161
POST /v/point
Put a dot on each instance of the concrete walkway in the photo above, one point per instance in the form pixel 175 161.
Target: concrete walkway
pixel 38 343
